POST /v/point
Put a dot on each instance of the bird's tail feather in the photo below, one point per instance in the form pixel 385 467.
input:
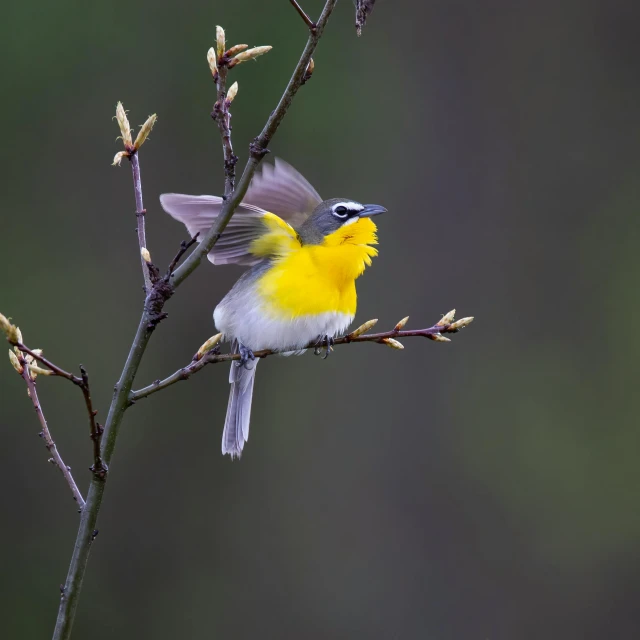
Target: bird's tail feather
pixel 236 424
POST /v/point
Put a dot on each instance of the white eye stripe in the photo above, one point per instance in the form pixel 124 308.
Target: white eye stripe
pixel 350 206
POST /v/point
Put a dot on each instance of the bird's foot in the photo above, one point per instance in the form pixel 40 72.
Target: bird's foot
pixel 246 356
pixel 327 343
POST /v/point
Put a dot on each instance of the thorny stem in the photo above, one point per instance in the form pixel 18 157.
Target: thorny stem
pixel 214 357
pixel 140 214
pixel 56 458
pixel 157 295
pixel 259 148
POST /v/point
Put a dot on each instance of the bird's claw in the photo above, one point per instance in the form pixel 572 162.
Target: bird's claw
pixel 246 355
pixel 327 343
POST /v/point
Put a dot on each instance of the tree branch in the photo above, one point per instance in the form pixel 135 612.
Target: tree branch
pixel 222 115
pixel 95 429
pixel 140 215
pixel 307 20
pixel 157 296
pixel 56 458
pixel 358 335
pixel 258 151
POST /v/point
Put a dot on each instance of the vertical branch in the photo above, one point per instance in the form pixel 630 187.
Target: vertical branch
pixel 140 215
pixel 222 115
pixel 56 458
pixel 259 148
pixel 157 295
pixel 95 429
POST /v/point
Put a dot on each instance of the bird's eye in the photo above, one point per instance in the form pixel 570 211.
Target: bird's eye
pixel 341 211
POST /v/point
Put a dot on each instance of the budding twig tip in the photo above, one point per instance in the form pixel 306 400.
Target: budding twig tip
pixel 123 123
pixel 145 130
pixel 220 41
pixel 447 318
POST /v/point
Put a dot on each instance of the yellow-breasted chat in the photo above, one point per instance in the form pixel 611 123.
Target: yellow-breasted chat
pixel 305 255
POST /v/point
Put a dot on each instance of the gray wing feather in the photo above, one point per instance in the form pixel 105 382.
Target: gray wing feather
pixel 199 213
pixel 280 189
pixel 236 424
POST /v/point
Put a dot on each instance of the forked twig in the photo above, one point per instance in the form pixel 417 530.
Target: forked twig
pixel 56 458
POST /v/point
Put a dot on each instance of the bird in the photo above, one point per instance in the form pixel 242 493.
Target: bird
pixel 304 255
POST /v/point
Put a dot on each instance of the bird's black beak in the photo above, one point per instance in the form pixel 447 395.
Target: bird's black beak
pixel 371 210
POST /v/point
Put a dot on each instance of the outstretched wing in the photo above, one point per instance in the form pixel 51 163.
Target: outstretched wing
pixel 251 235
pixel 282 190
pixel 253 232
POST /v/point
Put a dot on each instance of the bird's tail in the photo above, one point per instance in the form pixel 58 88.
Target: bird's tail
pixel 236 424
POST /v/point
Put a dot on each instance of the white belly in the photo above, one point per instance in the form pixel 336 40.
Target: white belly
pixel 257 330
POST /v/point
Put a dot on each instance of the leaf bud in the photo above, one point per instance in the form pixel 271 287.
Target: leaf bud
pixel 123 123
pixel 251 54
pixel 447 318
pixel 208 345
pixel 220 44
pixel 363 328
pixel 145 130
pixel 212 60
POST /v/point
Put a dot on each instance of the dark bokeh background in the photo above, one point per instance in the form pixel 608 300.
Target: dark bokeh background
pixel 484 489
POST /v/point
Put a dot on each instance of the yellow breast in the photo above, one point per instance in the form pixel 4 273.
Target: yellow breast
pixel 313 279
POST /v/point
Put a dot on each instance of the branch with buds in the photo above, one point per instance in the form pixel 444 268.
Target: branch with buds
pixel 209 353
pixel 220 61
pixel 160 287
pixel 131 152
pixel 31 356
pixel 24 361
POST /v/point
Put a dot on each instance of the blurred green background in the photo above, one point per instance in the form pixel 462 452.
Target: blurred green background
pixel 484 489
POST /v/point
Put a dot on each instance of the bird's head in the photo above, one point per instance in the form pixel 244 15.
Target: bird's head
pixel 339 214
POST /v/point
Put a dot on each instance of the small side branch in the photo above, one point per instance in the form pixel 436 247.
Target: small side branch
pixel 258 149
pixel 222 115
pixel 307 20
pixel 95 429
pixel 140 216
pixel 389 338
pixel 56 458
pixel 99 468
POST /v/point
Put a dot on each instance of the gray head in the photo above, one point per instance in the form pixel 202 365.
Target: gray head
pixel 332 214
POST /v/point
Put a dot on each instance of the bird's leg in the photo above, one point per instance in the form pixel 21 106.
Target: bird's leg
pixel 327 343
pixel 245 356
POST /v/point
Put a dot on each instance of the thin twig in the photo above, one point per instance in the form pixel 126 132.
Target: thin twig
pixel 308 21
pixel 152 314
pixel 55 368
pixel 184 247
pixel 95 429
pixel 214 357
pixel 140 214
pixel 56 458
pixel 259 148
pixel 222 115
